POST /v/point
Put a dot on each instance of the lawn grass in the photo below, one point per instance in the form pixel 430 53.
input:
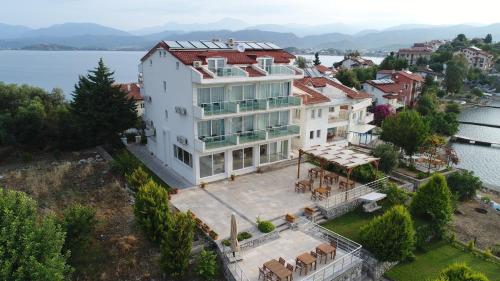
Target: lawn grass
pixel 428 265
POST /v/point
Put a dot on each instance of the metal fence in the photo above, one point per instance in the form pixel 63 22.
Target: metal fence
pixel 350 195
pixel 232 269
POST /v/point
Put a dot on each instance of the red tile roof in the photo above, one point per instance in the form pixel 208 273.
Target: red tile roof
pixel 187 56
pixel 410 75
pixel 252 72
pixel 319 82
pixel 389 88
pixel 132 89
pixel 322 69
pixel 204 73
pixel 312 96
pixel 416 50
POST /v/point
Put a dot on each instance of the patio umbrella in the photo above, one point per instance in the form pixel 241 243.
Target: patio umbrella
pixel 235 245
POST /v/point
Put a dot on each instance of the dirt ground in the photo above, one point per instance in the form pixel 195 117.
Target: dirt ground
pixel 470 225
pixel 119 251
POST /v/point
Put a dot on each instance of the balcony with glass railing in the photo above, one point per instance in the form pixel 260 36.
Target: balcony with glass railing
pixel 228 71
pixel 214 142
pixel 282 131
pixel 252 105
pixel 218 108
pixel 251 136
pixel 287 101
pixel 279 70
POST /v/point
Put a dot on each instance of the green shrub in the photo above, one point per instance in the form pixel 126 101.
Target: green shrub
pixel 138 178
pixel 244 235
pixel 79 221
pixel 432 201
pixel 460 272
pixel 421 175
pixel 226 242
pixel 471 245
pixel 424 234
pixel 464 184
pixel 495 250
pixel 395 195
pixel 391 236
pixel 388 155
pixel 124 163
pixel 151 210
pixel 265 226
pixel 366 173
pixel 206 266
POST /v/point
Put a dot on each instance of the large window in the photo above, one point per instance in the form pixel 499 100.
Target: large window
pixel 242 92
pixel 211 128
pixel 242 158
pixel 183 156
pixel 212 165
pixel 210 95
pixel 265 63
pixel 216 63
pixel 242 124
pixel 273 90
pixel 272 119
pixel 273 152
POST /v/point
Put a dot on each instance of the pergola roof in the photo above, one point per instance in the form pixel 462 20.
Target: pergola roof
pixel 340 155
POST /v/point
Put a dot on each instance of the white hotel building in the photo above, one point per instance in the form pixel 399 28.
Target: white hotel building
pixel 214 109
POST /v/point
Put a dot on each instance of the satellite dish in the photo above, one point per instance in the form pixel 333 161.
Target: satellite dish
pixel 240 48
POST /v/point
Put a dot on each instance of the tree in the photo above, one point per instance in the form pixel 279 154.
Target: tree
pixel 395 195
pixel 476 92
pixel 464 184
pixel 348 78
pixel 443 123
pixel 79 222
pixel 488 39
pixel 316 60
pixel 427 104
pixel 456 72
pixel 432 146
pixel 176 246
pixel 392 62
pixel 137 178
pixel 365 73
pixel 30 246
pixel 453 107
pixel 460 272
pixel 406 130
pixel 207 265
pixel 101 109
pixel 391 236
pixel 389 157
pixel 151 210
pixel 432 201
pixel 301 62
pixel 380 112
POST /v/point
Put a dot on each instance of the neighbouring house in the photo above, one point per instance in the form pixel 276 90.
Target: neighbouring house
pixel 325 71
pixel 350 62
pixel 412 54
pixel 133 91
pixel 331 113
pixel 396 88
pixel 319 71
pixel 478 58
pixel 215 108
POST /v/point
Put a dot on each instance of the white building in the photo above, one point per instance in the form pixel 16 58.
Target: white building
pixel 478 58
pixel 331 113
pixel 214 109
pixel 350 62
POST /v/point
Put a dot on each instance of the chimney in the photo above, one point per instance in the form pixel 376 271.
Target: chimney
pixel 230 42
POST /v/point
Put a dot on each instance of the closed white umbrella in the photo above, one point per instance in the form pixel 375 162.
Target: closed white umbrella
pixel 235 245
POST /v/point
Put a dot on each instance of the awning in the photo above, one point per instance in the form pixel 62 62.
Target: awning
pixel 361 128
pixel 373 197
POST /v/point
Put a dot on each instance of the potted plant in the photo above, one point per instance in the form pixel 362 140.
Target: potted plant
pixel 173 190
pixel 233 176
pixel 205 228
pixel 198 221
pixel 290 218
pixel 203 184
pixel 308 211
pixel 213 235
pixel 191 214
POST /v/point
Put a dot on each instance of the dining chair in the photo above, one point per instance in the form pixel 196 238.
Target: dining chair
pixel 282 261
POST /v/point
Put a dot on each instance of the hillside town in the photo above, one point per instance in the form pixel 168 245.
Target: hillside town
pixel 233 159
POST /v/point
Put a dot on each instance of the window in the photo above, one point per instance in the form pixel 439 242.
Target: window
pixel 242 92
pixel 312 114
pixel 318 133
pixel 166 114
pixel 242 158
pixel 265 63
pixel 165 86
pixel 319 113
pixel 297 113
pixel 177 65
pixel 150 62
pixel 183 156
pixel 215 64
pixel 273 152
pixel 273 90
pixel 211 128
pixel 210 95
pixel 311 135
pixel 212 165
pixel 242 124
pixel 331 109
pixel 272 119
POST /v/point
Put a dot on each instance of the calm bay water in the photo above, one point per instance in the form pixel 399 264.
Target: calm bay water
pixel 61 69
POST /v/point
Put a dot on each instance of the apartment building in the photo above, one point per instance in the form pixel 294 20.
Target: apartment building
pixel 215 108
pixel 478 58
pixel 411 55
pixel 330 113
pixel 397 88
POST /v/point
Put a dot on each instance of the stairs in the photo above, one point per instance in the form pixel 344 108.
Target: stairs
pixel 316 216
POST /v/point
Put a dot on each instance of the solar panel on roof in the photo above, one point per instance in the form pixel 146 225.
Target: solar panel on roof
pixel 173 44
pixel 198 44
pixel 276 47
pixel 221 45
pixel 211 45
pixel 263 45
pixel 185 44
pixel 254 46
pixel 246 45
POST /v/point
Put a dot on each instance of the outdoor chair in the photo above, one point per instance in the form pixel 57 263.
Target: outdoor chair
pixel 282 261
pixel 333 243
pixel 299 266
pixel 262 273
pixel 314 254
pixel 314 195
pixel 299 188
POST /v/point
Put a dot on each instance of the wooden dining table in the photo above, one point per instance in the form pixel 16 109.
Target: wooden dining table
pixel 323 191
pixel 314 171
pixel 344 184
pixel 278 270
pixel 330 177
pixel 326 249
pixel 305 183
pixel 307 260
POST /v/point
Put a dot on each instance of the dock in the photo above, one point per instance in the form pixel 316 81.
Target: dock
pixel 468 140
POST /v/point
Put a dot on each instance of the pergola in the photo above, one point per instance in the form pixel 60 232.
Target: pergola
pixel 340 156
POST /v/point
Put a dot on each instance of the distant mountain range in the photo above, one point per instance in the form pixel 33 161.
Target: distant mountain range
pixel 338 36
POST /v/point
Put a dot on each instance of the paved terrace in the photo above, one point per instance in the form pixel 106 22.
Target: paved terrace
pixel 268 195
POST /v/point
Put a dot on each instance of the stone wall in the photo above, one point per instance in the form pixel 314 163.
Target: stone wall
pixel 374 268
pixel 339 210
pixel 354 273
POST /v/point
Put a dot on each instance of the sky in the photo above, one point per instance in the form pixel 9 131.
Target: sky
pixel 136 14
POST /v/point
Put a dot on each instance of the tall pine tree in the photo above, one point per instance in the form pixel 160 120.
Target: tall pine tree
pixel 100 109
pixel 316 60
